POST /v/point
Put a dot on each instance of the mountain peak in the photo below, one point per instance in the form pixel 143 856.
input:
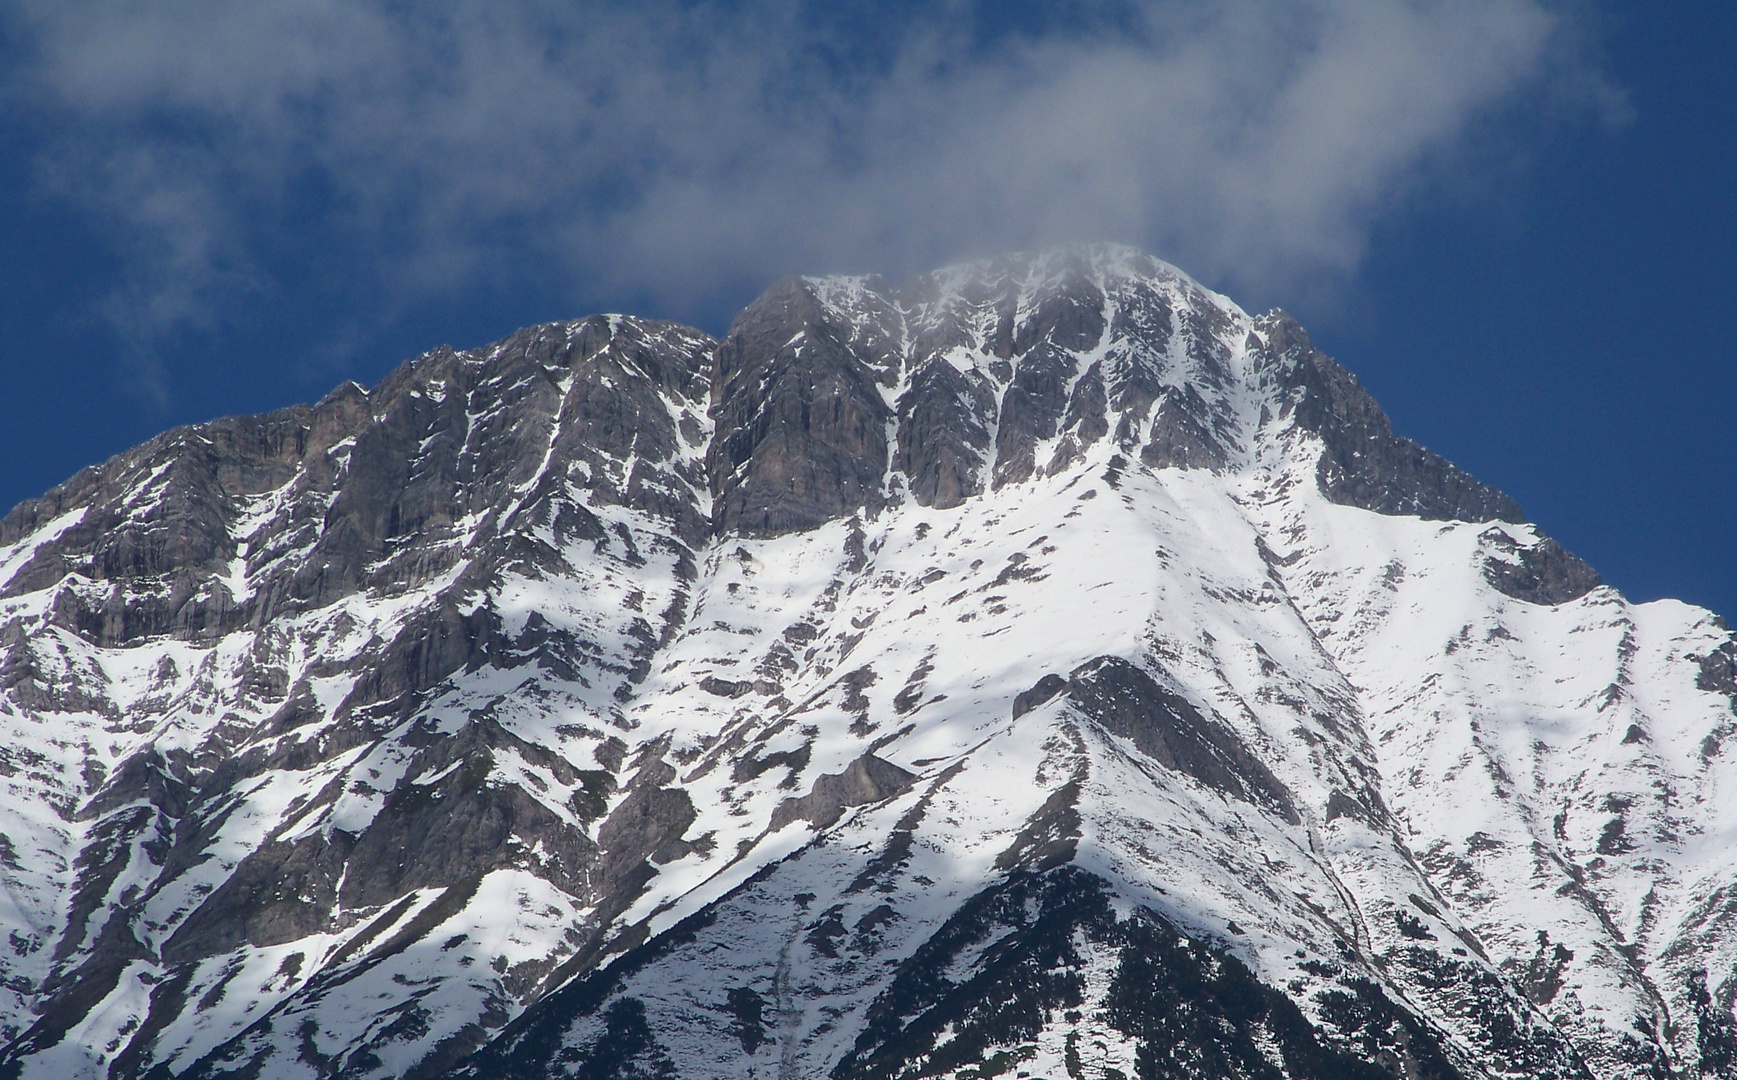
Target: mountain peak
pixel 1042 665
pixel 995 371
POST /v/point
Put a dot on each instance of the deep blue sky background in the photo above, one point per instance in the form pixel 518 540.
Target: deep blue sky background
pixel 1553 305
pixel 1568 341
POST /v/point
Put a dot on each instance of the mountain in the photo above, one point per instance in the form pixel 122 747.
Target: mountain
pixel 1042 669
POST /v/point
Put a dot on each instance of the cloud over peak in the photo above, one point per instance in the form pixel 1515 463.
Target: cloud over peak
pixel 682 150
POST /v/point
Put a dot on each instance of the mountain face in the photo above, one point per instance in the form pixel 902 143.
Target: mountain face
pixel 1042 669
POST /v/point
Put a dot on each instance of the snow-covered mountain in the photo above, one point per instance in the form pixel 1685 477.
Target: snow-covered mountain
pixel 1042 669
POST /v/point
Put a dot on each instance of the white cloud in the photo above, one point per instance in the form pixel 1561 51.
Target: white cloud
pixel 682 149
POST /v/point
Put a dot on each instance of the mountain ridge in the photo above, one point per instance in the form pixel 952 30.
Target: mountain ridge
pixel 473 722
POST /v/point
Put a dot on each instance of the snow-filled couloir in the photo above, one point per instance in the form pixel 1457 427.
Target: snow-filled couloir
pixel 1041 668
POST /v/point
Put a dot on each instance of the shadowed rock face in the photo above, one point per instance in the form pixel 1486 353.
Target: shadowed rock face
pixel 1718 671
pixel 1127 702
pixel 182 540
pixel 1182 436
pixel 976 376
pixel 801 424
pixel 868 779
pixel 1365 463
pixel 1543 573
pixel 943 437
pixel 208 529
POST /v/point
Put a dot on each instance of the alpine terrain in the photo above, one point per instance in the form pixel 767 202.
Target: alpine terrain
pixel 1041 669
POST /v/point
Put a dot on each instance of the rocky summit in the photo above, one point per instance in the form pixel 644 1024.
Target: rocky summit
pixel 1040 669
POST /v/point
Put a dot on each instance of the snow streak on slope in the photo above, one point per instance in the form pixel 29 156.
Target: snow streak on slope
pixel 1559 769
pixel 1042 667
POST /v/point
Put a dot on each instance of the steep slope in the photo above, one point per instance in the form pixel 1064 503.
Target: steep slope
pixel 227 656
pixel 1043 667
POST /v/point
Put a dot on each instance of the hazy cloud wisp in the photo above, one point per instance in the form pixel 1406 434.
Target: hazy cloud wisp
pixel 681 150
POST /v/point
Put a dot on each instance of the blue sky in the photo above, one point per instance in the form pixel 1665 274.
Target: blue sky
pixel 1514 219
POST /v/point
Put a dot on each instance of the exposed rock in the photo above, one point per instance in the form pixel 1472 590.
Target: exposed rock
pixel 943 437
pixel 1124 700
pixel 282 891
pixel 1540 573
pixel 1051 836
pixel 646 828
pixel 711 684
pixel 369 484
pixel 1196 1009
pixel 1364 463
pixel 868 779
pixel 801 425
pixel 1181 435
pixel 1069 313
pixel 1031 411
pixel 1718 671
pixel 1041 691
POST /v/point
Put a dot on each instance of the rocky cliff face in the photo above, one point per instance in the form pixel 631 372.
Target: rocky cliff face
pixel 1042 668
